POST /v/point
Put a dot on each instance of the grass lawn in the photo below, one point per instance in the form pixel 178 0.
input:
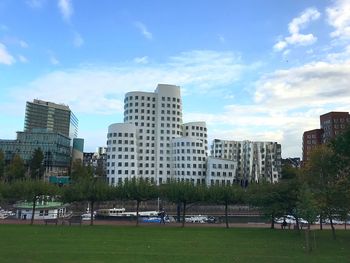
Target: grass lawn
pixel 39 243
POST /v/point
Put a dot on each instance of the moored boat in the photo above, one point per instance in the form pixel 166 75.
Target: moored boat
pixel 121 214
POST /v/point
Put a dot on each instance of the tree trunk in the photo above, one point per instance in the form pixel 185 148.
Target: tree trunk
pixel 184 214
pixel 92 213
pixel 307 239
pixel 321 223
pixel 332 226
pixel 272 221
pixel 226 215
pixel 297 223
pixel 137 212
pixel 33 210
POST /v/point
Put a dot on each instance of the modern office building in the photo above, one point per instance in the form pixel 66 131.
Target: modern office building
pixel 55 147
pixel 256 161
pixel 153 142
pixel 51 116
pixel 332 124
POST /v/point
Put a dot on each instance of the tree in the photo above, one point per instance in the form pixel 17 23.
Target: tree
pixel 16 169
pixel 269 198
pixel 183 193
pixel 308 209
pixel 322 176
pixel 140 190
pixel 226 195
pixel 87 189
pixel 2 165
pixel 80 172
pixel 36 164
pixel 32 190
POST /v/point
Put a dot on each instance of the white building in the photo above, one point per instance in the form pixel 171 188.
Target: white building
pixel 256 161
pixel 153 143
pixel 154 119
pixel 221 171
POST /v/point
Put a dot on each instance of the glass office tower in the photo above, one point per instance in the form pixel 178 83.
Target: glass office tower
pixel 51 116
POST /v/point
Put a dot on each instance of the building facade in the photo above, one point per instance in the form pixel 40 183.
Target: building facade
pixel 311 140
pixel 256 161
pixel 161 145
pixel 332 124
pixel 55 147
pixel 51 116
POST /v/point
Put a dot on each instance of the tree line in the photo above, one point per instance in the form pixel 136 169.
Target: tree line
pixel 319 190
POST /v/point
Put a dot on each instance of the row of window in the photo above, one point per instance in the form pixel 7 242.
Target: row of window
pixel 188 165
pixel 189 158
pixel 229 174
pixel 225 166
pixel 120 134
pixel 198 128
pixel 195 173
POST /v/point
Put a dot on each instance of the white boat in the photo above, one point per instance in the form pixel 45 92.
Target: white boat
pixel 87 215
pixel 121 213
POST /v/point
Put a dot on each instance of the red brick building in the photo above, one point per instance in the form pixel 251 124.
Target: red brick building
pixel 332 124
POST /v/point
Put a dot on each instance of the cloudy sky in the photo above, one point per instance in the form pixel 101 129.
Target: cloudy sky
pixel 255 70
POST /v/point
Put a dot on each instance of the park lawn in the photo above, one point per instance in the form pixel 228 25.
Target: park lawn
pixel 39 243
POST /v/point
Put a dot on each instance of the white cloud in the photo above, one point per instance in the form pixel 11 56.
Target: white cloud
pixel 66 9
pixel 141 60
pixel 5 57
pixel 22 58
pixel 78 41
pixel 143 29
pixel 96 89
pixel 338 16
pixel 294 27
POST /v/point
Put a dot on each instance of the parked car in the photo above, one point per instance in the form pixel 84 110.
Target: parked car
pixel 289 219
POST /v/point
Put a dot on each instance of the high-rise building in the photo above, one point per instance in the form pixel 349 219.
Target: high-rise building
pixel 256 161
pixel 151 142
pixel 52 117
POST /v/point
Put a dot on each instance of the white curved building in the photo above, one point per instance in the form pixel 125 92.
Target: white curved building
pixel 157 119
pixel 121 152
pixel 189 160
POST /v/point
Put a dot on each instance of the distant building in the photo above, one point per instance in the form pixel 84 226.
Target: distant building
pixel 332 124
pixel 311 140
pixel 78 149
pixel 97 160
pixel 51 116
pixel 55 147
pixel 256 161
pixel 293 162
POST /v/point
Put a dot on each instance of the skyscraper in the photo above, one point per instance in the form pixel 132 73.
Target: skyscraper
pixel 52 117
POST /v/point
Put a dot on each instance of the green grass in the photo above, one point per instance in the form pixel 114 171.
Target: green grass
pixel 24 243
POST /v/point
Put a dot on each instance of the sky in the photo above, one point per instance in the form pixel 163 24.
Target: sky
pixel 253 70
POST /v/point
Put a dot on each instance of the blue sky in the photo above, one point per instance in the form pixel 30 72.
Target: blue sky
pixel 256 70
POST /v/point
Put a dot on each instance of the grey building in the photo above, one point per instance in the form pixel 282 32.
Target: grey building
pixel 51 116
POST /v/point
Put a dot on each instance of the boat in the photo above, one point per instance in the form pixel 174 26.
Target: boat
pixel 87 215
pixel 121 214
